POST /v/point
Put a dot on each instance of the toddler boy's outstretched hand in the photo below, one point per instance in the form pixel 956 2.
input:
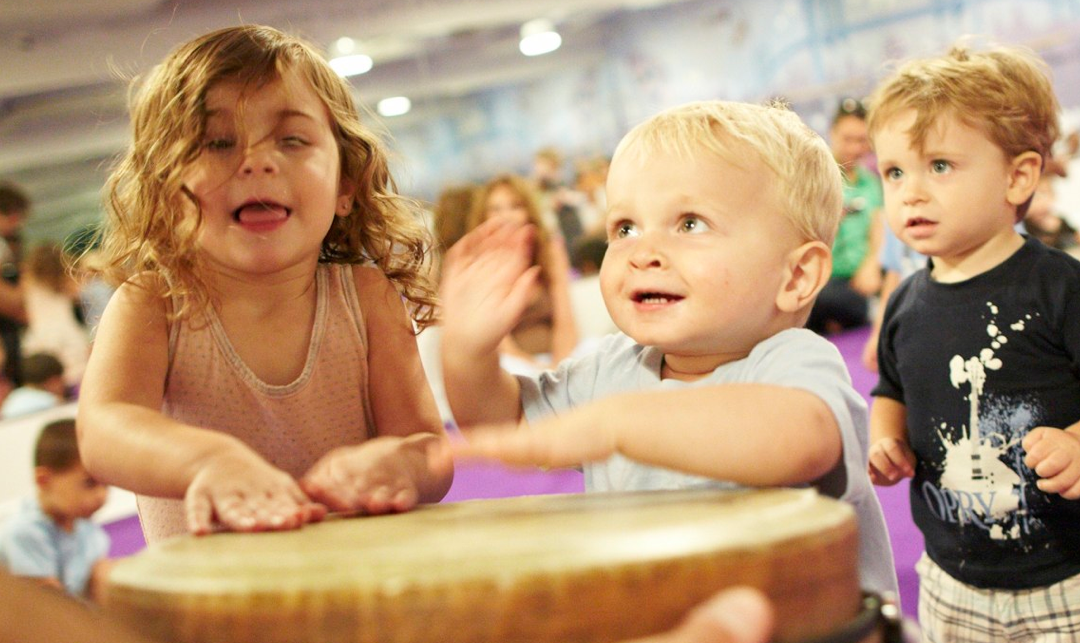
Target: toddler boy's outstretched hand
pixel 1054 454
pixel 890 461
pixel 551 443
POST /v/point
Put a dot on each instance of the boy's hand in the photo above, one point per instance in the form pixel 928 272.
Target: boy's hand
pixel 1054 454
pixel 869 352
pixel 867 279
pixel 374 477
pixel 487 284
pixel 552 443
pixel 890 461
pixel 243 492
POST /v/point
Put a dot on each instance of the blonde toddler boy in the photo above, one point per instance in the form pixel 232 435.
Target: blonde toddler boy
pixel 719 223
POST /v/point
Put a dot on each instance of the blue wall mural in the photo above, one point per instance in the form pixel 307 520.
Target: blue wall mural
pixel 810 52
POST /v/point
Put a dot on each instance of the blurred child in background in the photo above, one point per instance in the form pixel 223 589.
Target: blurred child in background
pixel 52 538
pixel 52 294
pixel 43 387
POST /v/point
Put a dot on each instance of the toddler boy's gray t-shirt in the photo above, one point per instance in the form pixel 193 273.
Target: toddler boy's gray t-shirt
pixel 795 358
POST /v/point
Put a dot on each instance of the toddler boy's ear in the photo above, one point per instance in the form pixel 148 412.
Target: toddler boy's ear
pixel 42 476
pixel 806 272
pixel 1024 172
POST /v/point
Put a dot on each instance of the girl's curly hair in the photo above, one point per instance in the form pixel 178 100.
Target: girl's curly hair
pixel 152 220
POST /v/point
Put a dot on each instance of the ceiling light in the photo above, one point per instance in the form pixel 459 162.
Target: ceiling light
pixel 539 37
pixel 351 65
pixel 394 106
pixel 345 45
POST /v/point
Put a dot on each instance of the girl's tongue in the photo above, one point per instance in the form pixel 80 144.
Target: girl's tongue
pixel 257 213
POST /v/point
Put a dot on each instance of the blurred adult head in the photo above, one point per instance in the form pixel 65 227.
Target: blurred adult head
pixel 848 136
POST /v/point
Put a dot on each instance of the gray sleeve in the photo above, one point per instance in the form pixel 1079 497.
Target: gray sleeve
pixel 801 359
pixel 804 360
pixel 572 383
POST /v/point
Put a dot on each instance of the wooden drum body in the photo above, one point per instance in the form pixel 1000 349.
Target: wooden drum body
pixel 540 569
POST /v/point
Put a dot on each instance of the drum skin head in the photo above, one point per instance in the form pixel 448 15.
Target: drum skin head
pixel 588 568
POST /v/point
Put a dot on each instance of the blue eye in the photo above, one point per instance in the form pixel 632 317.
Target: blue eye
pixel 940 166
pixel 892 173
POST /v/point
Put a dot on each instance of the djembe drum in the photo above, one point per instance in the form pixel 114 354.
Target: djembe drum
pixel 540 569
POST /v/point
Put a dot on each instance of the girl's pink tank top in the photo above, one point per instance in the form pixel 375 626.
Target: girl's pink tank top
pixel 291 425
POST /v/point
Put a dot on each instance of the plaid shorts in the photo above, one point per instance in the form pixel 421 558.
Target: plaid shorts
pixel 954 612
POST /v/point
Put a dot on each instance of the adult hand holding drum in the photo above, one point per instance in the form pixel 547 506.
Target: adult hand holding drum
pixel 588 568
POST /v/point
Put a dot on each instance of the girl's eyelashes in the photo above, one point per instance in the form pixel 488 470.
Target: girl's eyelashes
pixel 225 144
pixel 218 144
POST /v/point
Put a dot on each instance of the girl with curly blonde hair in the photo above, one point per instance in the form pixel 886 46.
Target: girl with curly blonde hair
pixel 258 365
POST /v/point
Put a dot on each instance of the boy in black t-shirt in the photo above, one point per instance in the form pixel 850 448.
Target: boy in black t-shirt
pixel 979 354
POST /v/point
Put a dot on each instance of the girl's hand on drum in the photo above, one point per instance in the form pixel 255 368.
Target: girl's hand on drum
pixel 549 443
pixel 738 615
pixel 890 461
pixel 375 477
pixel 1054 454
pixel 242 492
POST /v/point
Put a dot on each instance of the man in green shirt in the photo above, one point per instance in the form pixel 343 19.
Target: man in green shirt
pixel 856 272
